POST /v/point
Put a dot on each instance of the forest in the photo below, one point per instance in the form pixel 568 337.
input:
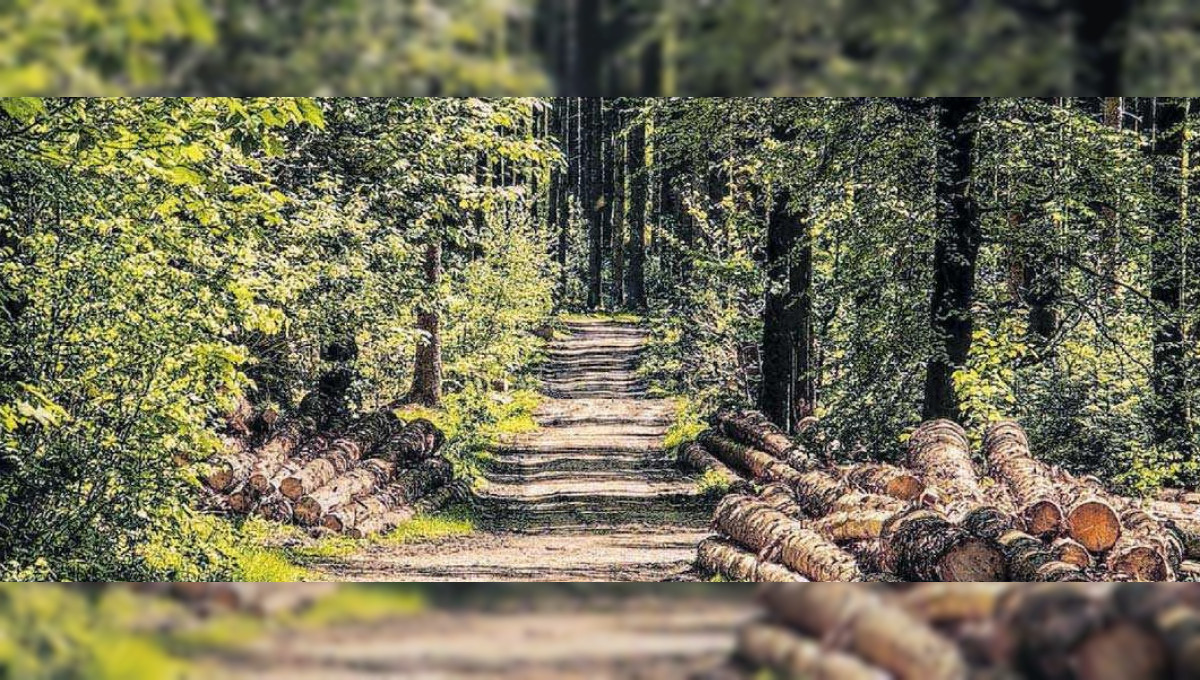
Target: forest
pixel 183 274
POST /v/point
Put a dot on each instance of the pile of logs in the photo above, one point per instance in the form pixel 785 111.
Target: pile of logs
pixel 976 631
pixel 378 473
pixel 795 517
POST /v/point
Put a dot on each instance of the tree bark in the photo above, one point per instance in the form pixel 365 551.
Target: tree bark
pixel 635 157
pixel 617 212
pixel 593 199
pixel 427 365
pixel 956 255
pixel 719 556
pixel 1101 35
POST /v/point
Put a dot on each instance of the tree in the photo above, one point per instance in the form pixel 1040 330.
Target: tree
pixel 427 364
pixel 592 196
pixel 638 173
pixel 1168 271
pixel 956 254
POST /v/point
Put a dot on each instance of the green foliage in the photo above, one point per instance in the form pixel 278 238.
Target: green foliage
pixel 449 524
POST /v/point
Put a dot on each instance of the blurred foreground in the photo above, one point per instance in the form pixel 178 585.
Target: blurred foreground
pixel 939 631
pixel 593 47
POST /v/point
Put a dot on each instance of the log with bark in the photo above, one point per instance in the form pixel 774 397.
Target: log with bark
pixel 271 458
pixel 820 494
pixel 923 545
pixel 696 458
pixel 358 516
pixel 1038 498
pixel 885 480
pixel 755 429
pixel 716 555
pixel 867 626
pixel 362 480
pixel 941 455
pixel 778 649
pixel 341 457
pixel 418 441
pixel 756 525
pixel 1145 552
pixel 755 463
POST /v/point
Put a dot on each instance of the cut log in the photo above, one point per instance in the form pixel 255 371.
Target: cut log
pixel 922 545
pixel 772 534
pixel 1172 612
pixel 341 457
pixel 1072 552
pixel 759 465
pixel 941 455
pixel 276 508
pixel 885 480
pixel 375 431
pixel 361 480
pixel 754 429
pixel 1043 625
pixel 1120 651
pixel 1145 552
pixel 226 472
pixel 1027 559
pixel 1038 499
pixel 242 500
pixel 719 556
pixel 271 458
pixel 791 656
pixel 696 458
pixel 1094 523
pixel 399 496
pixel 868 627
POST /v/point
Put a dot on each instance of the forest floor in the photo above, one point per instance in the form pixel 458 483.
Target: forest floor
pixel 591 495
pixel 647 637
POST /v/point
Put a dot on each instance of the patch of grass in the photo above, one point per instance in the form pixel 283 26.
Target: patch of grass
pixel 455 522
pixel 713 485
pixel 687 426
pixel 619 317
pixel 258 564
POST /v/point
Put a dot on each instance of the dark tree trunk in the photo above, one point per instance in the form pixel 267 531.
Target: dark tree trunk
pixel 618 211
pixel 1101 33
pixel 1167 265
pixel 592 195
pixel 788 379
pixel 956 254
pixel 635 154
pixel 608 169
pixel 427 368
pixel 586 62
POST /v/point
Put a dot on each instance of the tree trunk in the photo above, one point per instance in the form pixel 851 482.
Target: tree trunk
pixel 427 366
pixel 956 254
pixel 635 155
pixel 754 524
pixel 592 198
pixel 1168 380
pixel 617 242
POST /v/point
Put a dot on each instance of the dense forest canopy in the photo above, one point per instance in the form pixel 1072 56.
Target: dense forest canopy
pixel 594 47
pixel 867 262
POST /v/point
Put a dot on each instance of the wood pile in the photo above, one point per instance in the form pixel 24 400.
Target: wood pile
pixel 976 631
pixel 944 515
pixel 363 481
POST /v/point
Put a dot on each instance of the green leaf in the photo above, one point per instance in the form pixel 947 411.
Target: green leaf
pixel 311 112
pixel 23 109
pixel 184 175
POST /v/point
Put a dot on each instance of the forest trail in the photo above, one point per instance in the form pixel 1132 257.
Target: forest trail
pixel 641 638
pixel 591 495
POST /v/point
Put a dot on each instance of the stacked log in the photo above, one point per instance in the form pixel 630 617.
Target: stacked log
pixel 964 631
pixel 936 518
pixel 365 480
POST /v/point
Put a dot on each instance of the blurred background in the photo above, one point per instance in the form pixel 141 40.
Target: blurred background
pixel 598 47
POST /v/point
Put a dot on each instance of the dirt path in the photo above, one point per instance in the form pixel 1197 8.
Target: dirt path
pixel 644 638
pixel 590 496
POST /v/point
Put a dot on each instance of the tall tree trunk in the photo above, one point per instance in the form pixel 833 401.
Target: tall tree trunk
pixel 1169 374
pixel 635 154
pixel 618 211
pixel 427 368
pixel 608 185
pixel 592 196
pixel 1101 32
pixel 956 254
pixel 587 60
pixel 553 224
pixel 788 387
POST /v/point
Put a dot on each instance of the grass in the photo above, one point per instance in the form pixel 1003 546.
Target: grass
pixel 455 522
pixel 618 317
pixel 363 604
pixel 713 485
pixel 687 426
